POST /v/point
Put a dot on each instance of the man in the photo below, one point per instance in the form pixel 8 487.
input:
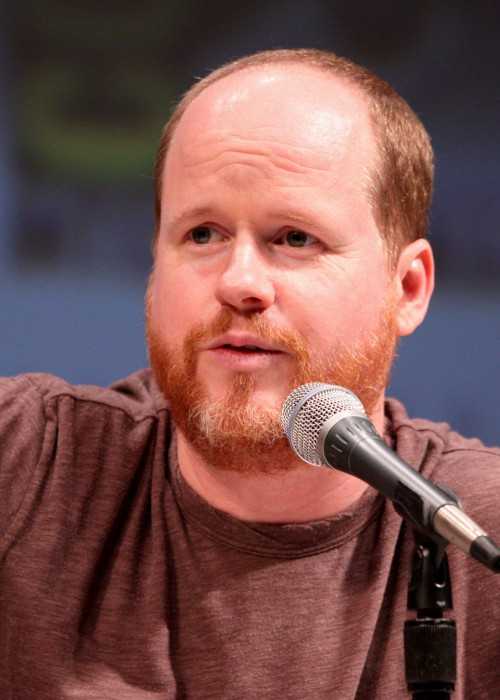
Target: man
pixel 160 539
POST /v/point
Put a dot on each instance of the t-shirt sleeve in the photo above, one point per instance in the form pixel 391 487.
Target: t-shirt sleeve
pixel 477 485
pixel 22 430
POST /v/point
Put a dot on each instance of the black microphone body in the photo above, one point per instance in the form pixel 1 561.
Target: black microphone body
pixel 353 446
pixel 327 425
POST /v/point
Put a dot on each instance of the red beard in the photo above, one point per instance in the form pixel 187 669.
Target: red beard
pixel 237 434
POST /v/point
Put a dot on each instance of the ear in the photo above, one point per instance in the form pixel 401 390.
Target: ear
pixel 414 279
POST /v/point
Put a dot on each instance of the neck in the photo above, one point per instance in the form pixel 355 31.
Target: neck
pixel 302 494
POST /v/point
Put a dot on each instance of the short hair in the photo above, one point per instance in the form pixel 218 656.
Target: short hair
pixel 400 189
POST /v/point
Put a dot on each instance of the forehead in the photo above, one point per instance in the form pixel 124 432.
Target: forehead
pixel 315 117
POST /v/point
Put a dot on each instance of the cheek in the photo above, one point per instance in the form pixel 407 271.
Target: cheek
pixel 178 300
pixel 335 304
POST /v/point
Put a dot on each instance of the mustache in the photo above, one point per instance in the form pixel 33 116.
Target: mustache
pixel 255 324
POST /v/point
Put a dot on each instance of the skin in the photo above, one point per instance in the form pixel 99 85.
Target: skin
pixel 263 158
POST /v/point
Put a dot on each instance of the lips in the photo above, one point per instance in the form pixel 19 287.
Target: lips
pixel 243 344
pixel 243 352
pixel 245 348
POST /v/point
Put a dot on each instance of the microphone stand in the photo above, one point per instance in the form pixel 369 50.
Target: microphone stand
pixel 430 639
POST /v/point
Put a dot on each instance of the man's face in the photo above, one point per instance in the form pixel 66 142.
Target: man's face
pixel 270 270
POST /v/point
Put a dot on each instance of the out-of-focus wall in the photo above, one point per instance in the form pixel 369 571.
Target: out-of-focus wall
pixel 85 88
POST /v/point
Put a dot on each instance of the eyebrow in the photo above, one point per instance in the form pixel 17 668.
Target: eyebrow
pixel 305 220
pixel 195 213
pixel 203 212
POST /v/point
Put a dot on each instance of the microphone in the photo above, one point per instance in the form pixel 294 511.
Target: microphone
pixel 326 425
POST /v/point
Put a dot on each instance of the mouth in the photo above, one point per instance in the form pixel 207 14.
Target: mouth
pixel 244 343
pixel 245 358
pixel 247 349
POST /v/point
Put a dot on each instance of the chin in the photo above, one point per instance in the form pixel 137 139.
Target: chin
pixel 248 391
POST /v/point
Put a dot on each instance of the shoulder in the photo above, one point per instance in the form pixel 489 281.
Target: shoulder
pixel 46 421
pixel 29 402
pixel 136 395
pixel 465 465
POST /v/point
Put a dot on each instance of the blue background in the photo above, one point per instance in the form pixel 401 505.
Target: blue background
pixel 76 220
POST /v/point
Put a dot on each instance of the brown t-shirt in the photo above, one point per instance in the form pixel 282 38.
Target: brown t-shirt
pixel 118 582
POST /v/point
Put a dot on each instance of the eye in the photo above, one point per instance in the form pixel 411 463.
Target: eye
pixel 201 235
pixel 296 238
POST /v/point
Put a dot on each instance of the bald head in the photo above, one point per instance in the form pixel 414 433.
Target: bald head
pixel 287 116
pixel 308 106
pixel 313 98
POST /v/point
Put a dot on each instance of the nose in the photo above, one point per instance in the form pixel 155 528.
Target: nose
pixel 246 282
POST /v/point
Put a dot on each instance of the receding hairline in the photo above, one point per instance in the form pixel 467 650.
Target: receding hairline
pixel 354 107
pixel 354 92
pixel 401 176
pixel 194 94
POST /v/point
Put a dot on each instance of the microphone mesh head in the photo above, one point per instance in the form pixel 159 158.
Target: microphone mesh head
pixel 308 408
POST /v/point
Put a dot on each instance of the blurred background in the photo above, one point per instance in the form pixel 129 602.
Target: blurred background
pixel 85 88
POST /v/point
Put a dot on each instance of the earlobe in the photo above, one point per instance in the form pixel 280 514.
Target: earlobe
pixel 415 284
